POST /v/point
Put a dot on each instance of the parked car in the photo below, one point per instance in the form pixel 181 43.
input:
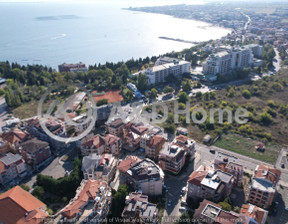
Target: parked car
pixel 183 190
pixel 182 209
pixel 183 202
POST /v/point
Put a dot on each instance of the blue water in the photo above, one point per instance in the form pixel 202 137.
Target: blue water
pixel 53 33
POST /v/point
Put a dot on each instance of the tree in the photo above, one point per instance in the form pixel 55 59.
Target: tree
pixel 25 187
pixel 199 95
pixel 153 93
pixel 186 85
pixel 183 97
pixel 118 202
pixel 236 209
pixel 129 95
pixel 266 118
pixel 142 82
pixel 181 106
pixel 38 192
pixel 225 206
pixel 246 93
pixel 102 102
pixel 168 89
pixel 184 218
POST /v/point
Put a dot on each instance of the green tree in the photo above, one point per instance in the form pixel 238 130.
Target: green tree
pixel 153 93
pixel 118 202
pixel 225 206
pixel 183 97
pixel 186 85
pixel 25 187
pixel 142 82
pixel 38 192
pixel 266 118
pixel 184 218
pixel 168 89
pixel 246 93
pixel 102 102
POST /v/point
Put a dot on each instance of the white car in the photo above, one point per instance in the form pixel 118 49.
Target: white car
pixel 182 209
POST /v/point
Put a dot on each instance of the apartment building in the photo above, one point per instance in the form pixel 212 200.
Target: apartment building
pixel 207 183
pixel 166 60
pixel 19 206
pixel 99 167
pixel 125 165
pixel 12 168
pixel 263 186
pixel 35 152
pixel 257 50
pixel 186 143
pixel 159 73
pixel 225 61
pixel 257 214
pixel 154 145
pixel 216 186
pixel 211 213
pixel 145 176
pixel 72 67
pixel 229 164
pixel 139 210
pixel 99 145
pixel 115 127
pixel 194 182
pixel 14 137
pixel 172 158
pixel 132 133
pixel 92 200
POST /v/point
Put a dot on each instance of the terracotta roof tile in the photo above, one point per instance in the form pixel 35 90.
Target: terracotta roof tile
pixel 155 141
pixel 126 164
pixel 253 211
pixel 267 172
pixel 16 202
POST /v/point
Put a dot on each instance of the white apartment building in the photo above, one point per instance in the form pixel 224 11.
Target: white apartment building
pixel 223 62
pixel 158 74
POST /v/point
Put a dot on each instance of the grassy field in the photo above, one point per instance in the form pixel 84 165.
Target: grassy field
pixel 246 146
pixel 28 109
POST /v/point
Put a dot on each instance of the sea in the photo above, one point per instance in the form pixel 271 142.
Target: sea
pixel 52 32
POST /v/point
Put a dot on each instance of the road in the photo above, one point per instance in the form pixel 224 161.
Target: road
pixel 3 112
pixel 174 185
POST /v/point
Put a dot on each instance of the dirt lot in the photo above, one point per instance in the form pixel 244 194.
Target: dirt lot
pixel 111 96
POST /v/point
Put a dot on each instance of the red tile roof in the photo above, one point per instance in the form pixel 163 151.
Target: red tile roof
pixel 126 164
pixel 18 206
pixel 89 192
pixel 96 141
pixel 198 175
pixel 14 136
pixel 155 141
pixel 111 139
pixel 267 172
pixel 253 211
pixel 182 138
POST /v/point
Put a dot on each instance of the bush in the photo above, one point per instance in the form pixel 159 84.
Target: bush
pixel 183 97
pixel 64 187
pixel 25 187
pixel 277 86
pixel 246 93
pixel 102 102
pixel 225 206
pixel 181 106
pixel 271 104
pixel 266 118
pixel 38 192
